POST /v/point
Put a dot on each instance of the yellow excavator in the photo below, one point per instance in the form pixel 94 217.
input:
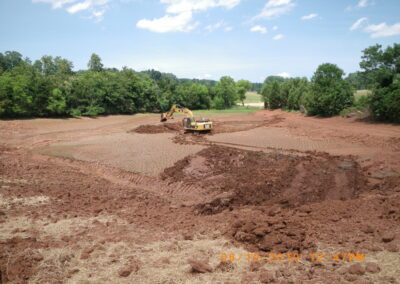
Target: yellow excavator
pixel 189 122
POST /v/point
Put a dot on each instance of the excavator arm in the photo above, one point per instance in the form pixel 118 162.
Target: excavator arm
pixel 170 114
pixel 189 122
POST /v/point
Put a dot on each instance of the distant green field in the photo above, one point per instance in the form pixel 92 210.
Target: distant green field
pixel 360 93
pixel 253 97
pixel 233 110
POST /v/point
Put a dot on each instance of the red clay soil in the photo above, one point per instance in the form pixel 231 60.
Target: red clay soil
pixel 284 203
pixel 219 126
pixel 239 177
pixel 72 195
pixel 267 202
pixel 364 222
pixel 161 128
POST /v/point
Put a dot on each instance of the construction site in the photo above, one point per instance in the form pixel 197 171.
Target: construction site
pixel 264 197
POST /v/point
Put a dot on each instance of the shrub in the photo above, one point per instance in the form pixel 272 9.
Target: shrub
pixel 218 103
pixel 271 95
pixel 329 93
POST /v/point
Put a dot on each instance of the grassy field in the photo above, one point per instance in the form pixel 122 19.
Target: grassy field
pixel 234 110
pixel 253 97
pixel 360 93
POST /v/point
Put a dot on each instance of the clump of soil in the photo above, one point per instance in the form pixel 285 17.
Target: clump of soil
pixel 275 234
pixel 160 128
pixel 18 261
pixel 238 177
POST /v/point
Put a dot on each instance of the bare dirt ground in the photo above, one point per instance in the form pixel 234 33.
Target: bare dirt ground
pixel 268 197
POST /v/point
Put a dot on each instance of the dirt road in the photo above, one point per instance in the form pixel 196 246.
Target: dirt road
pixel 268 197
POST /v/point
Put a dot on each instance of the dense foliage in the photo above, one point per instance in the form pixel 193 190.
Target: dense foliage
pixel 382 70
pixel 50 87
pixel 284 93
pixel 329 92
pixel 357 80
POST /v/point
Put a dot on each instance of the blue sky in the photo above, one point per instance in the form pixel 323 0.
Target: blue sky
pixel 245 39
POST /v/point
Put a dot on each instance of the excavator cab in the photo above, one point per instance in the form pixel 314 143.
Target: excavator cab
pixel 187 122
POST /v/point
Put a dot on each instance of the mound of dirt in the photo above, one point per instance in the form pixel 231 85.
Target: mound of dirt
pixel 219 126
pixel 236 177
pixel 160 128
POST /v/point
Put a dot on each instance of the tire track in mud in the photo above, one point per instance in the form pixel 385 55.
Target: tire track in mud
pixel 179 193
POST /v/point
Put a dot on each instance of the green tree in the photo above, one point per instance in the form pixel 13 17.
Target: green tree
pixel 10 59
pixel 256 87
pixel 382 70
pixel 226 89
pixel 271 79
pixel 329 93
pixel 17 91
pixel 94 63
pixel 218 103
pixel 271 94
pixel 57 103
pixel 357 80
pixel 242 87
pixel 298 89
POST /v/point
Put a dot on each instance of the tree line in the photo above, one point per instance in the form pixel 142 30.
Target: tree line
pixel 328 93
pixel 50 87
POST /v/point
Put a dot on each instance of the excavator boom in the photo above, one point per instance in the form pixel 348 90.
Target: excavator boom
pixel 170 114
pixel 189 122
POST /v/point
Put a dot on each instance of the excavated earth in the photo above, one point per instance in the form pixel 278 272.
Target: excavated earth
pixel 77 205
pixel 276 178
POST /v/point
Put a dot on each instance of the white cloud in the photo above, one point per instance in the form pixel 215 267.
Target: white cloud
pixel 309 17
pixel 284 75
pixel 79 7
pixel 182 15
pixel 275 8
pixel 360 4
pixel 260 29
pixel 358 24
pixel 180 6
pixel 274 28
pixel 363 3
pixel 98 15
pixel 55 4
pixel 228 29
pixel 383 30
pixel 168 23
pixel 275 3
pixel 213 27
pixel 278 37
pixel 96 8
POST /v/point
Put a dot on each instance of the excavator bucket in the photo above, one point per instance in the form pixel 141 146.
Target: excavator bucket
pixel 163 117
